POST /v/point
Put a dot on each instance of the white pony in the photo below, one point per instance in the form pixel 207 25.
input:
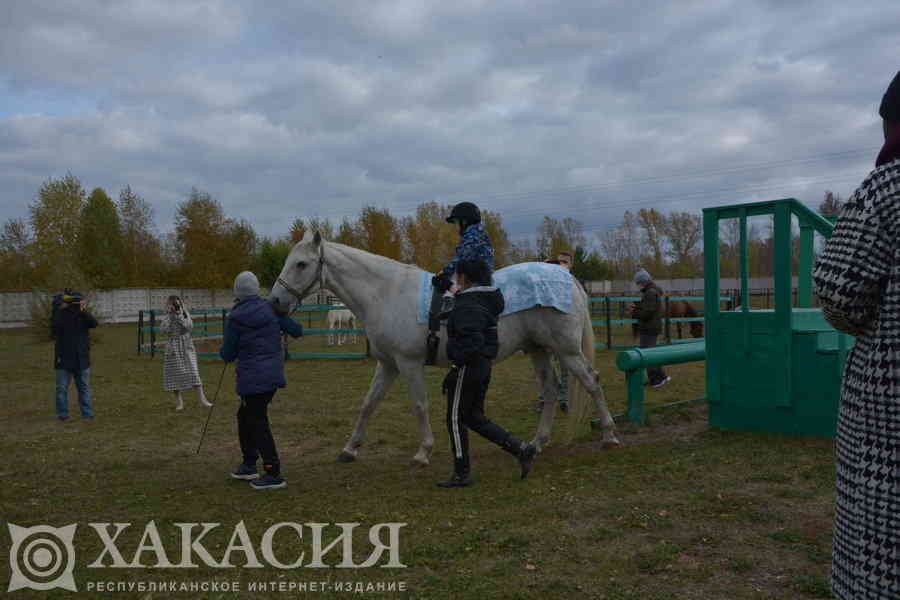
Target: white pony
pixel 384 294
pixel 341 319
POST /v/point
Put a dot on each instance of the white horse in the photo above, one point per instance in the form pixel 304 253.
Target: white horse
pixel 341 319
pixel 384 293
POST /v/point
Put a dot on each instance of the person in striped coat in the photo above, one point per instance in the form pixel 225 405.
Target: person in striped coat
pixel 180 370
pixel 857 281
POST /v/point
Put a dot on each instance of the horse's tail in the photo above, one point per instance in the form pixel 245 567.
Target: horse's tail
pixel 581 405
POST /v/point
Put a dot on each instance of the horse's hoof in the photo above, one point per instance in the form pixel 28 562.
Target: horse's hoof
pixel 610 444
pixel 418 462
pixel 345 457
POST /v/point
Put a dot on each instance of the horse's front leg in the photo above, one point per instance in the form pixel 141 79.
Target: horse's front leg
pixel 548 385
pixel 418 397
pixel 384 376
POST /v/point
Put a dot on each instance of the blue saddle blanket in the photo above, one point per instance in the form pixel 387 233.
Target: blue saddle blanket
pixel 524 286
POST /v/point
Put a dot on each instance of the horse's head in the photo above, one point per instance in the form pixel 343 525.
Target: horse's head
pixel 301 273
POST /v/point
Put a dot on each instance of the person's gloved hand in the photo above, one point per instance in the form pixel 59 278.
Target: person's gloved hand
pixel 442 282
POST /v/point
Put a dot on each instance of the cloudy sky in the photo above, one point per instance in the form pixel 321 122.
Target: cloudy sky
pixel 569 108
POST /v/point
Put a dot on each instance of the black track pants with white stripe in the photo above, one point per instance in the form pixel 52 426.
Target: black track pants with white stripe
pixel 466 388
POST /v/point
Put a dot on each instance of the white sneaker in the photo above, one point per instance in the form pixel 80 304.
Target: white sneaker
pixel 662 383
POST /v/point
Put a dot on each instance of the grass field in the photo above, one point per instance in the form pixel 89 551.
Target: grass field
pixel 681 510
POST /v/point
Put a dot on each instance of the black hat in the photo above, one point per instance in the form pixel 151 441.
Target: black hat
pixel 890 103
pixel 465 211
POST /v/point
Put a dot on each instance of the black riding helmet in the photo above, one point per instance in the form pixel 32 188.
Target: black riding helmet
pixel 465 212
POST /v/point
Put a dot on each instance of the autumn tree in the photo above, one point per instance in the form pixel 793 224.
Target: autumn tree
pixel 56 222
pixel 142 252
pixel 323 226
pixel 684 233
pixel 653 224
pixel 429 238
pixel 270 259
pixel 297 231
pixel 493 226
pixel 213 249
pixel 16 260
pixel 100 241
pixel 522 251
pixel 555 236
pixel 379 232
pixel 623 246
pixel 589 266
pixel 348 234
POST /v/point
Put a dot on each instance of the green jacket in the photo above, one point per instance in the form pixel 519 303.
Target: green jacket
pixel 649 311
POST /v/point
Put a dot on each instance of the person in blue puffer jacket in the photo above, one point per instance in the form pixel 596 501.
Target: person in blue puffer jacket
pixel 253 338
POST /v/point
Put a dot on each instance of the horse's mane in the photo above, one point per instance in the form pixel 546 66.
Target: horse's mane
pixel 384 260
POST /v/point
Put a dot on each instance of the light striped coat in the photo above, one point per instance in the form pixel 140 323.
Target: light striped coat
pixel 180 370
pixel 858 282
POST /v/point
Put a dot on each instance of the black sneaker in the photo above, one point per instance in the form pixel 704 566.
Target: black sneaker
pixel 526 458
pixel 456 481
pixel 245 471
pixel 268 482
pixel 63 418
pixel 661 382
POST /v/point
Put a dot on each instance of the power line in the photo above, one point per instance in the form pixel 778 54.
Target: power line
pixel 568 190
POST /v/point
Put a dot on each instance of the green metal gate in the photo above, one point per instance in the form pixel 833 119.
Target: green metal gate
pixel 774 369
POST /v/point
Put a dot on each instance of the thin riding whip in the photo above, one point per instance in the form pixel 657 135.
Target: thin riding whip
pixel 215 401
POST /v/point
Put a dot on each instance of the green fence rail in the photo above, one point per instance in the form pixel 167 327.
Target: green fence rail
pixel 608 321
pixel 634 363
pixel 204 329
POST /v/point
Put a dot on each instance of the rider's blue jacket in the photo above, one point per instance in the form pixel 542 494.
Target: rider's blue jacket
pixel 474 245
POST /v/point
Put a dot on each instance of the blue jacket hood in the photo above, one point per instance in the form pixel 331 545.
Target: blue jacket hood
pixel 253 312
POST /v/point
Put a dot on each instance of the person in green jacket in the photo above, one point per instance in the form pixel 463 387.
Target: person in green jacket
pixel 648 313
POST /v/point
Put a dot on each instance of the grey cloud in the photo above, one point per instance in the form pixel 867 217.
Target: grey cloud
pixel 287 108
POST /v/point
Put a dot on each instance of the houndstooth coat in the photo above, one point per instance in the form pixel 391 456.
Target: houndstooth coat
pixel 180 368
pixel 857 280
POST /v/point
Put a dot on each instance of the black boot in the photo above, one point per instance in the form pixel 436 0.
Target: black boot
pixel 524 452
pixel 456 480
pixel 431 348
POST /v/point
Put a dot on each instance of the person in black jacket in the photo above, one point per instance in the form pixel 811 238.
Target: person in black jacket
pixel 472 344
pixel 72 358
pixel 649 313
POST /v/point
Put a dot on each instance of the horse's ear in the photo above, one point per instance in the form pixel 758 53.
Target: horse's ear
pixel 317 238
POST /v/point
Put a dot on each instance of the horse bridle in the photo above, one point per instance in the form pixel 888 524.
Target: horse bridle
pixel 320 276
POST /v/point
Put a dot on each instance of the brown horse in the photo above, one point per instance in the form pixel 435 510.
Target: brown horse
pixel 679 309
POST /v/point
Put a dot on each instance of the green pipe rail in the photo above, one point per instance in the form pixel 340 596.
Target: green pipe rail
pixel 202 331
pixel 634 363
pixel 608 322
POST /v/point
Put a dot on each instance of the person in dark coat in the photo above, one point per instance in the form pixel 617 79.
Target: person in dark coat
pixel 648 313
pixel 72 322
pixel 472 344
pixel 253 338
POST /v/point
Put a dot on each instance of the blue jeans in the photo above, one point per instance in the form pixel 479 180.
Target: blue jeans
pixel 82 382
